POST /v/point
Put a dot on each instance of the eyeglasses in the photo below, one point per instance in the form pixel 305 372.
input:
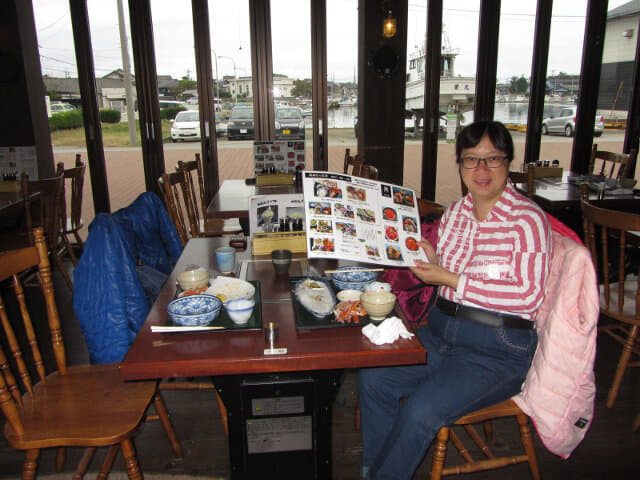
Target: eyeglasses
pixel 494 161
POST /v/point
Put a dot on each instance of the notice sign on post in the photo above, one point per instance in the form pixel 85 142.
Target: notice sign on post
pixel 14 161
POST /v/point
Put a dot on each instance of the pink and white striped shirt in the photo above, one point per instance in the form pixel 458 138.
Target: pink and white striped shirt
pixel 503 261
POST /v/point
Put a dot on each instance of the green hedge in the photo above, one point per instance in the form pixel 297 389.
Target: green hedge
pixel 109 116
pixel 65 120
pixel 170 113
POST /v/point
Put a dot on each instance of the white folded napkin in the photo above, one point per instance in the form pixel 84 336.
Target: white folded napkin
pixel 231 225
pixel 386 332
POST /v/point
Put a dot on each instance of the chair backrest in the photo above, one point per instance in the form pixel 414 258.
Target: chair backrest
pixel 428 208
pixel 28 365
pixel 71 206
pixel 50 191
pixel 353 161
pixel 606 235
pixel 611 164
pixel 171 185
pixel 369 171
pixel 197 196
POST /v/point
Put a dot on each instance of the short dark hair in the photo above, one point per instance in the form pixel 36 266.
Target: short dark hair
pixel 471 135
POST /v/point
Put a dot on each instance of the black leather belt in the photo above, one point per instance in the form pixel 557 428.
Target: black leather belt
pixel 486 317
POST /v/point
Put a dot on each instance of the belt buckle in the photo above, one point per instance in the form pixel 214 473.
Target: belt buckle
pixel 455 309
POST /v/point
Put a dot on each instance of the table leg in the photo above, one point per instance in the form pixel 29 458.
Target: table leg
pixel 280 424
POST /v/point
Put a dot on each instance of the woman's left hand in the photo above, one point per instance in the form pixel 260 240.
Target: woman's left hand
pixel 430 272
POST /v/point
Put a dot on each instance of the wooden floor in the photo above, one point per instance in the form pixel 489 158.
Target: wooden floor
pixel 610 451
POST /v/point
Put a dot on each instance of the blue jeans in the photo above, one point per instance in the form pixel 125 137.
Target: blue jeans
pixel 469 366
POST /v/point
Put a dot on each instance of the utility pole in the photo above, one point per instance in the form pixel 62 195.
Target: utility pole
pixel 128 87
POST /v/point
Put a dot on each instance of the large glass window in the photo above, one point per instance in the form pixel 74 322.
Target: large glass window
pixel 62 92
pixel 342 81
pixel 515 53
pixel 233 87
pixel 177 80
pixel 616 79
pixel 414 95
pixel 563 81
pixel 457 88
pixel 291 47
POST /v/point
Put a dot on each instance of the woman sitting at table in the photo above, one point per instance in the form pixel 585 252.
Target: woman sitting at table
pixel 490 265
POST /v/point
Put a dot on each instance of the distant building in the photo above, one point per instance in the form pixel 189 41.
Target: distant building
pixel 110 89
pixel 618 57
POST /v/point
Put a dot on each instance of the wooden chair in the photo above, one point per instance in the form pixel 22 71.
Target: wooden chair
pixel 369 171
pixel 72 216
pixel 606 235
pixel 355 162
pixel 80 406
pixel 47 215
pixel 610 164
pixel 195 202
pixel 504 409
pixel 171 186
pixel 429 208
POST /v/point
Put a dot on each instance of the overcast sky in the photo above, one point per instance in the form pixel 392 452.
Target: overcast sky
pixel 174 46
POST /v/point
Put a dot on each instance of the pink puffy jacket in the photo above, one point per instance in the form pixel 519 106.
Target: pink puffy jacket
pixel 559 390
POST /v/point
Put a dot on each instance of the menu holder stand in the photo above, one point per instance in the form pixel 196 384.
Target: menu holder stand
pixel 265 243
pixel 272 179
pixel 10 186
pixel 543 172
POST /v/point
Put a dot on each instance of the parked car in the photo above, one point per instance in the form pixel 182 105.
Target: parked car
pixel 241 123
pixel 186 126
pixel 171 104
pixel 61 107
pixel 563 121
pixel 289 123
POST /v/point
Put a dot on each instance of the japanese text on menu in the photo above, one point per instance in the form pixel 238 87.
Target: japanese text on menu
pixel 360 219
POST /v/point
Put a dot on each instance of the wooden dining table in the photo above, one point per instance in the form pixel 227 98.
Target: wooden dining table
pixel 232 199
pixel 278 405
pixel 561 198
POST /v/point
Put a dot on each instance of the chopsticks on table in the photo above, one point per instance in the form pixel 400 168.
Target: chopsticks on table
pixel 171 328
pixel 357 271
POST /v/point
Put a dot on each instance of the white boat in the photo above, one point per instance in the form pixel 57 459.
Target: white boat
pixel 457 93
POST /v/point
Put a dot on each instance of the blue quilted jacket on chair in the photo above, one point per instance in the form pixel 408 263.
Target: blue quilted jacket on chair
pixel 126 259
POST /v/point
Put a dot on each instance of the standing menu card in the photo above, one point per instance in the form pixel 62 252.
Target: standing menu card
pixel 359 219
pixel 281 156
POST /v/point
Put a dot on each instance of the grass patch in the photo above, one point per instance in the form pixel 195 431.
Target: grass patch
pixel 113 135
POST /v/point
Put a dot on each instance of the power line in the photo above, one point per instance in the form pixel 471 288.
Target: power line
pixel 52 24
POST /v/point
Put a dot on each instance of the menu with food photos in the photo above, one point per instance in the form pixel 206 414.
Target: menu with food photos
pixel 359 219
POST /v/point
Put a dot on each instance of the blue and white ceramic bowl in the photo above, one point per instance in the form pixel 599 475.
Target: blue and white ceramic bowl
pixel 354 274
pixel 194 310
pixel 353 278
pixel 240 310
pixel 362 286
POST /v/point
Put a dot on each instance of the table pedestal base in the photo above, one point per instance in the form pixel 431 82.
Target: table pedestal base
pixel 280 424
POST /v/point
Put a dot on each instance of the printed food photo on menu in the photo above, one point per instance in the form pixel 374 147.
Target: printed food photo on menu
pixel 411 244
pixel 322 244
pixel 372 251
pixel 320 226
pixel 356 193
pixel 366 215
pixel 409 224
pixel 402 196
pixel 394 252
pixel 389 214
pixel 391 233
pixel 347 229
pixel 320 208
pixel 327 188
pixel 343 210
